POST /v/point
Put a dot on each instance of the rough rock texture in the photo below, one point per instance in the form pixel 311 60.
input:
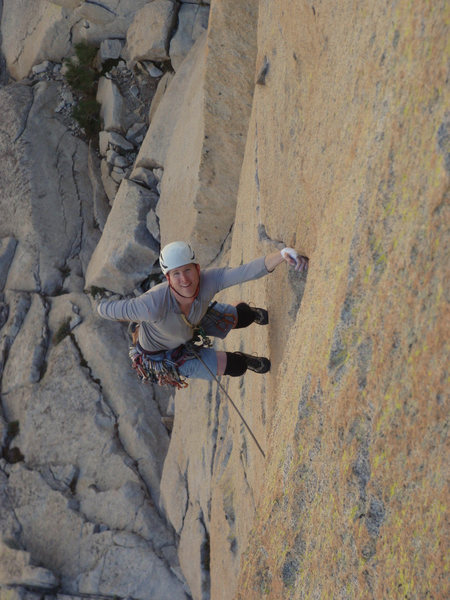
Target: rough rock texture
pixel 203 160
pixel 15 569
pixel 192 21
pixel 33 30
pixel 46 193
pixel 121 261
pixel 333 118
pixel 354 108
pixel 149 34
pixel 82 444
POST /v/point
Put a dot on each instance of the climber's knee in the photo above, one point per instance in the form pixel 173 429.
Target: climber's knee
pixel 236 365
pixel 245 315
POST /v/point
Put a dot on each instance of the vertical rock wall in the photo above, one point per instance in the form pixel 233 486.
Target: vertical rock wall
pixel 348 160
pixel 328 124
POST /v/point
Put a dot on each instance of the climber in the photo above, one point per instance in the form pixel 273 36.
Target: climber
pixel 172 314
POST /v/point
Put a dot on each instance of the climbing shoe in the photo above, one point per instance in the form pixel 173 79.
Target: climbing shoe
pixel 261 315
pixel 258 364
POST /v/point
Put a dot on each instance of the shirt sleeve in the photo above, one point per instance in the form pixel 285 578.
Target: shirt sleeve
pixel 232 276
pixel 134 309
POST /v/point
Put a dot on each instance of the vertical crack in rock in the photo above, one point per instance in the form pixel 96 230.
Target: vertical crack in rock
pixel 186 486
pixel 8 338
pixel 205 559
pixel 3 69
pixel 215 429
pixel 25 117
pixel 78 241
pixel 341 347
pixel 103 6
pixel 263 236
pixel 243 457
pixel 41 349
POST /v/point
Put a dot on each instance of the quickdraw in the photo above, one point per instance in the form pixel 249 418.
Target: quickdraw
pixel 162 372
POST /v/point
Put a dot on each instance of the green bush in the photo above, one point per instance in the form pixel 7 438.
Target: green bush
pixel 83 78
pixel 81 75
pixel 87 113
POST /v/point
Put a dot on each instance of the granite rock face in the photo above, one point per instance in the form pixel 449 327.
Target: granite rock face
pixel 320 126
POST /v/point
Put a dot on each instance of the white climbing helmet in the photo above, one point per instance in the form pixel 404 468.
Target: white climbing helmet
pixel 176 254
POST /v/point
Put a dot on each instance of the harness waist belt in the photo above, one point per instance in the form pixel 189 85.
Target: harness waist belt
pixel 148 352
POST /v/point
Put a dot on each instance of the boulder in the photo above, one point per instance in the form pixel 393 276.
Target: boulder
pixel 136 133
pixel 113 140
pixel 154 148
pixel 148 35
pixel 192 22
pixel 110 49
pixel 33 31
pixel 15 569
pixel 109 185
pixel 116 160
pixel 97 21
pixel 147 178
pixel 126 250
pixel 113 112
pixel 202 149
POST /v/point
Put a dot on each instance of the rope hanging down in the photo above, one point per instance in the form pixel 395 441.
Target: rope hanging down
pixel 197 355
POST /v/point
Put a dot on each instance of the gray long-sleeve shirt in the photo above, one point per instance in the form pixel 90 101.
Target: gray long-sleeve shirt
pixel 158 312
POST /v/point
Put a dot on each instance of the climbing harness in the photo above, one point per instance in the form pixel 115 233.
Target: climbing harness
pixel 162 372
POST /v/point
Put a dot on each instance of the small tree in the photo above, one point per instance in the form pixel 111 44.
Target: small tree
pixel 83 78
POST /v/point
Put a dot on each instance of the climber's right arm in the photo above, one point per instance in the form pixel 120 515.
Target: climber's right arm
pixel 132 309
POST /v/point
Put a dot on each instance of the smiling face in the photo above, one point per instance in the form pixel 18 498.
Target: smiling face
pixel 184 280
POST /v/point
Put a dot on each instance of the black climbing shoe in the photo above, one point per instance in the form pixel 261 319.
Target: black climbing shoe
pixel 261 315
pixel 258 364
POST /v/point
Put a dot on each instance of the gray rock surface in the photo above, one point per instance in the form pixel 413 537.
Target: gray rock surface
pixel 7 250
pixel 46 199
pixel 33 31
pixel 126 250
pixel 154 148
pixel 148 35
pixel 160 91
pixel 28 349
pixel 192 22
pixel 15 569
pixel 113 112
pixel 110 49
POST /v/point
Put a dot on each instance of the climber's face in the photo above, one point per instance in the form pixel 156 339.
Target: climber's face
pixel 184 280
